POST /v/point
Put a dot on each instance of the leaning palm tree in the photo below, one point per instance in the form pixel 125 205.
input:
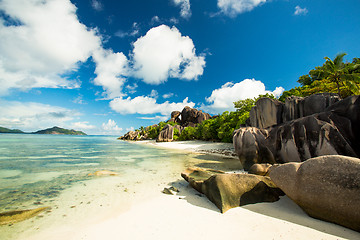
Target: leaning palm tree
pixel 340 73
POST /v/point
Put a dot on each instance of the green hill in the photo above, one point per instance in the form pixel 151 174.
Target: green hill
pixel 7 130
pixel 61 131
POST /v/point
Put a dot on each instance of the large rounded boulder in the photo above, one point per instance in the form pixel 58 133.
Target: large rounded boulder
pixel 325 187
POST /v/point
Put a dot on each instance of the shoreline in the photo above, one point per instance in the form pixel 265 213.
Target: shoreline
pixel 189 214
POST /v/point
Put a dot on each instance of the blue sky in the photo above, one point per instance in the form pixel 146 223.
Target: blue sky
pixel 106 67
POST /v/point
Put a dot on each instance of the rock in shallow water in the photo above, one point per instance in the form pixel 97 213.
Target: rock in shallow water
pixel 326 187
pixel 227 191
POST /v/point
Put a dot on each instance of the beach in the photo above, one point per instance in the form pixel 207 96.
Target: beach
pixel 189 214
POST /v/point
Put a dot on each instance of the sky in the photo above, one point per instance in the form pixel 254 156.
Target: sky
pixel 106 67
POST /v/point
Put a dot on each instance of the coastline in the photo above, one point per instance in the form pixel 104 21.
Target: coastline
pixel 189 214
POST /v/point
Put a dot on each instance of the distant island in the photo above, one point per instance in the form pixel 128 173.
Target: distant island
pixel 54 130
pixel 7 130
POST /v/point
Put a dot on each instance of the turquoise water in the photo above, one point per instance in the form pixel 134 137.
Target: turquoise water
pixel 34 168
pixel 52 171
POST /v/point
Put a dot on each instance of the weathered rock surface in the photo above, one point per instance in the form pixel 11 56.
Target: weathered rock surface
pixel 298 107
pixel 260 169
pixel 269 112
pixel 266 113
pixel 192 115
pixel 166 134
pixel 131 135
pixel 19 215
pixel 335 131
pixel 326 187
pixel 227 191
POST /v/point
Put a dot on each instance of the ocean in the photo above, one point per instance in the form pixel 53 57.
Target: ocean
pixel 53 171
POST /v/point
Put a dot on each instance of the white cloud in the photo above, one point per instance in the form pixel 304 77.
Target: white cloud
pixel 235 7
pixel 31 116
pixel 300 11
pixel 147 105
pixel 157 118
pixel 222 99
pixel 79 100
pixel 47 41
pixel 164 53
pixel 135 30
pixel 111 127
pixel 111 70
pixel 130 129
pixel 185 11
pixel 154 20
pixel 82 126
pixel 168 95
pixel 154 94
pixel 97 5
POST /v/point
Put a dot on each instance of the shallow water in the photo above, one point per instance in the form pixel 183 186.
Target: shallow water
pixel 52 170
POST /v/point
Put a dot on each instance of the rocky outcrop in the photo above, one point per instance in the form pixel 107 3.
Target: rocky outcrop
pixel 298 107
pixel 19 215
pixel 335 131
pixel 227 191
pixel 269 112
pixel 131 135
pixel 189 117
pixel 326 187
pixel 166 134
pixel 266 113
pixel 193 116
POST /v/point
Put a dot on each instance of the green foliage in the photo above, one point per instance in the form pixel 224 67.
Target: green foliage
pixel 176 134
pixel 333 76
pixel 188 133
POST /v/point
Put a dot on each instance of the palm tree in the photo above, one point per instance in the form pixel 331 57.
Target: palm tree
pixel 341 73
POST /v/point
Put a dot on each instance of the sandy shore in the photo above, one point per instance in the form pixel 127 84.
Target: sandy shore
pixel 190 215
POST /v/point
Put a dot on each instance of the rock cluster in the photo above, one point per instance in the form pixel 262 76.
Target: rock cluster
pixel 187 117
pixel 269 112
pixel 333 131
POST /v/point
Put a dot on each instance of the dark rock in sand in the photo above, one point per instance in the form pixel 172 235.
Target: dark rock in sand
pixel 227 191
pixel 19 215
pixel 326 187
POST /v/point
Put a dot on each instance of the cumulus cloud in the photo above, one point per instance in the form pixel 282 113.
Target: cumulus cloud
pixel 222 99
pixel 111 70
pixel 235 7
pixel 31 116
pixel 41 41
pixel 185 11
pixel 111 127
pixel 300 11
pixel 82 126
pixel 146 105
pixel 164 53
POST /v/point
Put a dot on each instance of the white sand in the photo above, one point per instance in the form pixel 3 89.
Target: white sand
pixel 189 215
